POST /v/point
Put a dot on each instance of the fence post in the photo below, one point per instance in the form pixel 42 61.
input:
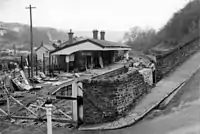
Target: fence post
pixel 49 120
pixel 52 66
pixel 7 95
pixel 28 66
pixel 8 104
pixel 49 64
pixel 43 64
pixel 36 65
pixel 74 102
pixel 22 66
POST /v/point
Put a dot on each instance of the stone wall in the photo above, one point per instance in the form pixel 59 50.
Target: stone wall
pixel 110 98
pixel 113 73
pixel 167 62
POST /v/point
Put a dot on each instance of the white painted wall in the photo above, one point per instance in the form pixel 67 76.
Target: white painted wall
pixel 42 51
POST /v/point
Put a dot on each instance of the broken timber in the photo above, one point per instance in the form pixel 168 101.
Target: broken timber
pixel 76 86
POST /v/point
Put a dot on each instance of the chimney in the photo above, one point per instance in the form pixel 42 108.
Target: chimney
pixel 102 33
pixel 95 34
pixel 70 36
pixel 42 43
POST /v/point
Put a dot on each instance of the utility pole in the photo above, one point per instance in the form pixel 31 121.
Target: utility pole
pixel 31 38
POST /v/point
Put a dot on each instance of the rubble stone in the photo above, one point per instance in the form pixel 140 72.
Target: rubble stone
pixel 108 99
pixel 167 62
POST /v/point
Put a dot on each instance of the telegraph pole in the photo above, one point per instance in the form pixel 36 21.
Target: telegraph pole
pixel 31 38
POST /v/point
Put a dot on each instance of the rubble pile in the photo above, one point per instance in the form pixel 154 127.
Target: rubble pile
pixel 147 74
pixel 38 107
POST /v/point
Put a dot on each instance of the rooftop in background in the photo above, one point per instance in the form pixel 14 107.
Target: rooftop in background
pixel 75 39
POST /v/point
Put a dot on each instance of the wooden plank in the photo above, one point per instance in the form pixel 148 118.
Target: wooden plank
pixel 65 114
pixel 66 97
pixel 43 119
pixel 3 111
pixel 54 107
pixel 23 106
pixel 67 83
pixel 24 117
pixel 62 112
pixel 5 90
pixel 8 105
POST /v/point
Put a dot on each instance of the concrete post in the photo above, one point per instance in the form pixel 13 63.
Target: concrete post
pixel 49 121
pixel 74 102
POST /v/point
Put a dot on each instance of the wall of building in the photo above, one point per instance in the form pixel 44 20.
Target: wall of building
pixel 166 63
pixel 61 62
pixel 109 98
pixel 40 53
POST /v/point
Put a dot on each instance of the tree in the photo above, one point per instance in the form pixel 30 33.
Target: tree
pixel 140 39
pixel 182 24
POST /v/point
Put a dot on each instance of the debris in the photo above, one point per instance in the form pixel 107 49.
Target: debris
pixel 147 74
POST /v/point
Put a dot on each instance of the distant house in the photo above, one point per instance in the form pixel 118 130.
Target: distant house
pixel 7 52
pixel 43 49
pixel 87 53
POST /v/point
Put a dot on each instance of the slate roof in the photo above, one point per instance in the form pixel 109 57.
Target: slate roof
pixel 101 43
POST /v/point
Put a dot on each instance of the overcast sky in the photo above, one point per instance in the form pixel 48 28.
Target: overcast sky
pixel 91 14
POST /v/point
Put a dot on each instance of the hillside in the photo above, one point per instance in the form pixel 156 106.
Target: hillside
pixel 183 23
pixel 19 34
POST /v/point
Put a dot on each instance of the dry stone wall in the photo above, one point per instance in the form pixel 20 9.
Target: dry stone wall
pixel 113 73
pixel 107 99
pixel 167 62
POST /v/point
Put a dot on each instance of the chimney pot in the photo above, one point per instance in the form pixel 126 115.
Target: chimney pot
pixel 95 34
pixel 102 33
pixel 70 36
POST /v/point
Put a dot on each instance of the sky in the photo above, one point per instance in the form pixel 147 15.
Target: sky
pixel 115 15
